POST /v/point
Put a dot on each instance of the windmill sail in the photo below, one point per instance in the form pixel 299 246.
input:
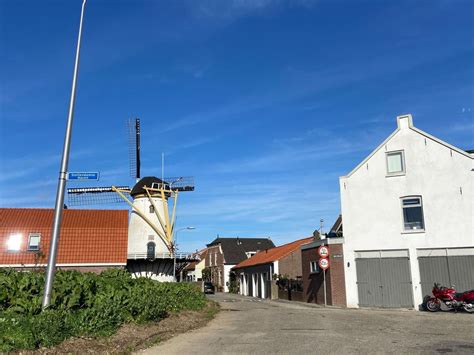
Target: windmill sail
pixel 134 147
pixel 83 196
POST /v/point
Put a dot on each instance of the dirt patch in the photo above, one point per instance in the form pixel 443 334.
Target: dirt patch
pixel 133 337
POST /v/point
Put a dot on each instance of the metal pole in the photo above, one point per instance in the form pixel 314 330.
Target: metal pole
pixel 324 278
pixel 175 245
pixel 175 241
pixel 58 210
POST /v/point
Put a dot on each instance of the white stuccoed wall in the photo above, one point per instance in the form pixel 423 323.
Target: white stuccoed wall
pixel 227 269
pixel 198 269
pixel 139 230
pixel 371 206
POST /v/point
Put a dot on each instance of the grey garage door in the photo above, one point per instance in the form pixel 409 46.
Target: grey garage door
pixel 448 270
pixel 384 282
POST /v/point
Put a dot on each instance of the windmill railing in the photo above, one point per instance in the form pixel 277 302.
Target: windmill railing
pixel 164 255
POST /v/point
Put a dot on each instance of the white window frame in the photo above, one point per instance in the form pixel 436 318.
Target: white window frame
pixel 402 155
pixel 314 267
pixel 29 247
pixel 404 230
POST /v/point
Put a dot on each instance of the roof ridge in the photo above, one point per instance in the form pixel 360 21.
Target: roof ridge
pixel 273 253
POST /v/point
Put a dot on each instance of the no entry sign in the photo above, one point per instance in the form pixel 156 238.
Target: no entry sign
pixel 323 251
pixel 323 263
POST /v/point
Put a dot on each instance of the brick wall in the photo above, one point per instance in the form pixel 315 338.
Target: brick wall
pixel 291 265
pixel 313 282
pixel 215 262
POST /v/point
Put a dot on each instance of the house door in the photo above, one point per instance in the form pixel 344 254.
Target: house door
pixel 384 279
pixel 150 250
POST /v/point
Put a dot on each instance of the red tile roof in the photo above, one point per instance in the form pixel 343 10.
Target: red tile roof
pixel 191 265
pixel 273 254
pixel 87 236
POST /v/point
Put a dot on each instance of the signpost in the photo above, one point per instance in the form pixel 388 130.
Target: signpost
pixel 323 251
pixel 83 176
pixel 323 263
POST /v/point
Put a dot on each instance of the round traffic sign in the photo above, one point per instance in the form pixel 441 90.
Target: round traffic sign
pixel 323 263
pixel 323 251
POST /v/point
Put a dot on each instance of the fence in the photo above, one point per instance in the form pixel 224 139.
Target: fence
pixel 290 289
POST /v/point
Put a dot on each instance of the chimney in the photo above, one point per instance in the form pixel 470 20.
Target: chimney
pixel 404 121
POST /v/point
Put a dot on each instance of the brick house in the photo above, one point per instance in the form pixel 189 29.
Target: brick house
pixel 313 278
pixel 90 240
pixel 256 273
pixel 224 253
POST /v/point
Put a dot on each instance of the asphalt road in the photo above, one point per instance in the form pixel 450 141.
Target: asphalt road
pixel 250 326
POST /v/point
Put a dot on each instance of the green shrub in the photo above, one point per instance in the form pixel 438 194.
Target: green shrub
pixel 83 304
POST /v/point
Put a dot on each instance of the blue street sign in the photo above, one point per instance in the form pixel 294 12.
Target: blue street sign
pixel 83 176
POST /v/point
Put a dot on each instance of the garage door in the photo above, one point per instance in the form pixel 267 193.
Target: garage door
pixel 383 279
pixel 449 267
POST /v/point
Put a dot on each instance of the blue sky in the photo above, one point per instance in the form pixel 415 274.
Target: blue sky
pixel 265 102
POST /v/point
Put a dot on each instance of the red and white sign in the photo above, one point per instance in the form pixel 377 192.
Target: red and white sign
pixel 323 263
pixel 323 251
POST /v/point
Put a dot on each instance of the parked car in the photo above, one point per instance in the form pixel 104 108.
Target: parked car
pixel 209 287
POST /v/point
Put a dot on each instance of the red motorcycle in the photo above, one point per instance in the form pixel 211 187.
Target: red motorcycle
pixel 450 298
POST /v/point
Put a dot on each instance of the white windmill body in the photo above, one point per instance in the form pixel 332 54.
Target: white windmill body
pixel 151 249
pixel 150 231
pixel 140 233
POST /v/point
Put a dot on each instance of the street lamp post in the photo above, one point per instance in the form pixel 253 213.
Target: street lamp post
pixel 175 244
pixel 58 210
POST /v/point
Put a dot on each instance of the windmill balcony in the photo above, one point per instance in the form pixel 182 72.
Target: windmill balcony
pixel 165 255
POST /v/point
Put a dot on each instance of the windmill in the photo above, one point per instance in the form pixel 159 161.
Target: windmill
pixel 151 230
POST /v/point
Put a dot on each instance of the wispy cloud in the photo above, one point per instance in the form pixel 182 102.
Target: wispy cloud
pixel 290 156
pixel 27 166
pixel 462 127
pixel 228 10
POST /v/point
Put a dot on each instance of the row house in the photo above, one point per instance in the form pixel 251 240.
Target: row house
pixel 255 274
pixel 90 240
pixel 225 253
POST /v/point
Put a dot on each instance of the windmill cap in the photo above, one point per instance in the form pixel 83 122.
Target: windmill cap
pixel 147 181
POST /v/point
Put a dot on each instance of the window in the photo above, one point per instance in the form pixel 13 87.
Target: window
pixel 314 267
pixel 250 253
pixel 215 258
pixel 14 242
pixel 34 242
pixel 412 213
pixel 395 163
pixel 152 209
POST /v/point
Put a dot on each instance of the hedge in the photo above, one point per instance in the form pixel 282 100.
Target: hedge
pixel 83 304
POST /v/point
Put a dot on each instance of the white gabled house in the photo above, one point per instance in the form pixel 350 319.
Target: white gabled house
pixel 408 220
